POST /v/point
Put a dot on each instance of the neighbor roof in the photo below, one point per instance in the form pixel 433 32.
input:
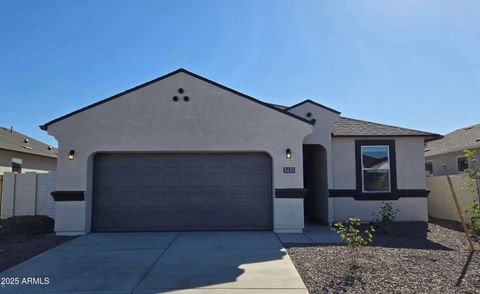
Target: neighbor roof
pixel 349 127
pixel 15 141
pixel 458 140
pixel 180 70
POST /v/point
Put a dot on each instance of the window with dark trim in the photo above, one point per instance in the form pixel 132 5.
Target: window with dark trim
pixel 429 168
pixel 17 165
pixel 462 164
pixel 375 166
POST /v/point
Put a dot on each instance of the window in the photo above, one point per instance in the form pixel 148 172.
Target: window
pixel 428 168
pixel 375 169
pixel 16 165
pixel 462 163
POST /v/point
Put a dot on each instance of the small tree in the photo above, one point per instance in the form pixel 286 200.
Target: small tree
pixel 472 181
pixel 473 212
pixel 472 173
pixel 355 239
pixel 385 216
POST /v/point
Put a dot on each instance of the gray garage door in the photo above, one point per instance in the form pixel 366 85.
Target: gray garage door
pixel 170 192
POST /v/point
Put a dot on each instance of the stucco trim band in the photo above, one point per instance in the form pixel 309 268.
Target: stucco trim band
pixel 400 193
pixel 290 193
pixel 68 195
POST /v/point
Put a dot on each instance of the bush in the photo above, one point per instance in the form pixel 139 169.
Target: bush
pixel 355 239
pixel 473 214
pixel 385 216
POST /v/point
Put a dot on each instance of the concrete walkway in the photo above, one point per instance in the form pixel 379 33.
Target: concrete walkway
pixel 312 234
pixel 188 262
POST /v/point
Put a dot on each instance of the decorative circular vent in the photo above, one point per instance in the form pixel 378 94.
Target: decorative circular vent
pixel 180 90
pixel 186 98
pixel 175 98
pixel 309 114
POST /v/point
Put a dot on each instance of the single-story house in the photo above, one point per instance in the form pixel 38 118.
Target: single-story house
pixel 182 152
pixel 20 153
pixel 449 151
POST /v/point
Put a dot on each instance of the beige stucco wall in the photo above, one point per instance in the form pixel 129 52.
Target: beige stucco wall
pixel 450 159
pixel 322 135
pixel 440 201
pixel 147 120
pixel 31 163
pixel 410 175
pixel 322 130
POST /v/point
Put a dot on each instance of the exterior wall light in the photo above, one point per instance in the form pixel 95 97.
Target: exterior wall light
pixel 288 153
pixel 71 155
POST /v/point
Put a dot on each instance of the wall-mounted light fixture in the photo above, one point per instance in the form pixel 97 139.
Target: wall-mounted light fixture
pixel 288 153
pixel 71 155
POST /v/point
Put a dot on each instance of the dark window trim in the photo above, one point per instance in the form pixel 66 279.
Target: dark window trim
pixel 358 167
pixel 429 162
pixel 401 193
pixel 17 169
pixel 458 166
pixel 68 195
pixel 296 193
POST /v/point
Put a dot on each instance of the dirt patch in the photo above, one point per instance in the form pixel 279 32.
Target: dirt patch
pixel 411 258
pixel 24 237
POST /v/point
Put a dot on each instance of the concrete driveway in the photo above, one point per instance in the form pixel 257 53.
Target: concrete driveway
pixel 165 262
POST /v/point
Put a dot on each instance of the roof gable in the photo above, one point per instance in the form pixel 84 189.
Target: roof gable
pixel 314 103
pixel 180 70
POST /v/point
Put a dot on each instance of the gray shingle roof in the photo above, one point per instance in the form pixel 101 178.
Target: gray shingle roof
pixel 458 140
pixel 349 127
pixel 19 142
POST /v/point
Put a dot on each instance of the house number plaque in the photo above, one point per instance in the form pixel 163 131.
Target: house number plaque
pixel 288 170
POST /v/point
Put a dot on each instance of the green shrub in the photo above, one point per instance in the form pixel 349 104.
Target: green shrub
pixel 473 214
pixel 385 216
pixel 472 174
pixel 351 234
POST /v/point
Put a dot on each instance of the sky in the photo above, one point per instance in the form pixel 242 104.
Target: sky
pixel 413 64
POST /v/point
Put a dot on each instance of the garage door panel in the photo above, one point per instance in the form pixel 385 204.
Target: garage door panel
pixel 198 191
pixel 216 179
pixel 195 179
pixel 239 198
pixel 172 179
pixel 149 180
pixel 150 199
pixel 107 200
pixel 173 198
pixel 196 199
pixel 239 180
pixel 126 199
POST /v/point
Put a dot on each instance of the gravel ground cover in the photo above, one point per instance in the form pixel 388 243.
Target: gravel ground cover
pixel 24 237
pixel 411 258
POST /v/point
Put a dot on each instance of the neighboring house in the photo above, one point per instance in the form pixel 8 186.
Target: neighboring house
pixel 449 151
pixel 20 153
pixel 182 152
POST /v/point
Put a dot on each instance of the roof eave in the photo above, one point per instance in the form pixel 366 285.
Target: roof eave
pixel 428 137
pixel 31 153
pixel 314 103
